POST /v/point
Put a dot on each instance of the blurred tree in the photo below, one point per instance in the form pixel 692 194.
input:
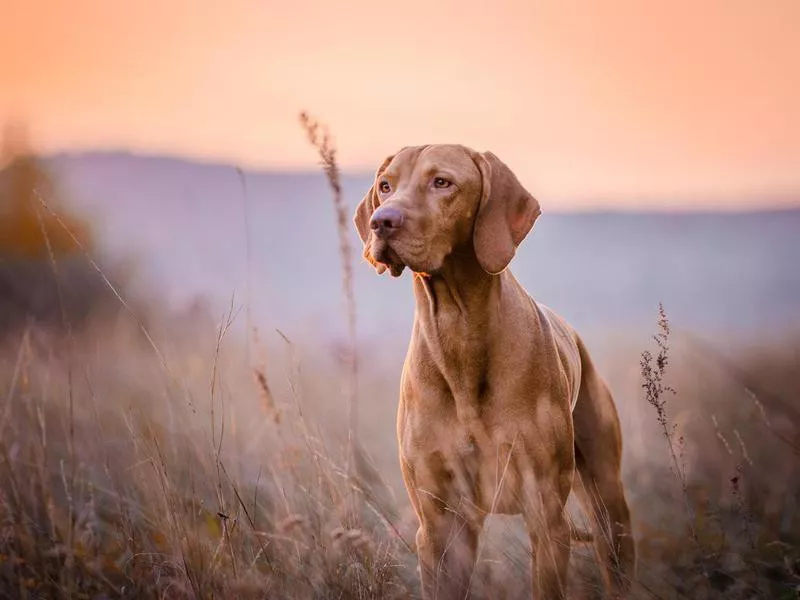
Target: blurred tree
pixel 26 225
pixel 33 290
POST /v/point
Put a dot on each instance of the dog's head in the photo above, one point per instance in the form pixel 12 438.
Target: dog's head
pixel 429 202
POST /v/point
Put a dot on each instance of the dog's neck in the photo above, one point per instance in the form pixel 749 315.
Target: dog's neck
pixel 460 286
pixel 456 310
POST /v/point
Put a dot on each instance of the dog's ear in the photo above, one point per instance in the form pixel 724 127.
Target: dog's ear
pixel 363 214
pixel 506 214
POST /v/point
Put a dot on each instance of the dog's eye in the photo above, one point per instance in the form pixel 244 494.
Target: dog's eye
pixel 441 183
pixel 384 187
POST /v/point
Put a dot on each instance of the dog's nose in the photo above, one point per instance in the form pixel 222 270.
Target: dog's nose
pixel 386 221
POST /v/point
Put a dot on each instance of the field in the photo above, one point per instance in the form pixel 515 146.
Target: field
pixel 148 451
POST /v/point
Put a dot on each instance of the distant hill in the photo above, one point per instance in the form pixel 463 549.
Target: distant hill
pixel 185 221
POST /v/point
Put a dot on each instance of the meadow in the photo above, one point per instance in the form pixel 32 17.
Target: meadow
pixel 154 452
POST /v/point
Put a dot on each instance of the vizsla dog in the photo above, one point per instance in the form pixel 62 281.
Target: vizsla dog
pixel 500 403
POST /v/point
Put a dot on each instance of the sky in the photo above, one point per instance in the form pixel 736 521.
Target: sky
pixel 682 103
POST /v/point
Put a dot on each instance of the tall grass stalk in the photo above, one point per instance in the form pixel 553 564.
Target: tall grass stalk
pixel 653 369
pixel 319 137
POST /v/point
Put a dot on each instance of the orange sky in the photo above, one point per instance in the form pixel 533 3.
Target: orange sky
pixel 585 99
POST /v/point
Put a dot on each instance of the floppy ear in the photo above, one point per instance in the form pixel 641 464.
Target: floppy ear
pixel 364 213
pixel 506 214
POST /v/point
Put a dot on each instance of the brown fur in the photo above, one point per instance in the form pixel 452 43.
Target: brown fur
pixel 499 402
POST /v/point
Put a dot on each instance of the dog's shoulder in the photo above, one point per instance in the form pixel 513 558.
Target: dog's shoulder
pixel 568 344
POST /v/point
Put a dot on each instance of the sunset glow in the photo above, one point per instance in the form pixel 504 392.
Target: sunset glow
pixel 587 103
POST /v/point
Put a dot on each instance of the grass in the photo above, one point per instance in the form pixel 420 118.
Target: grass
pixel 739 533
pixel 133 492
pixel 143 456
pixel 320 138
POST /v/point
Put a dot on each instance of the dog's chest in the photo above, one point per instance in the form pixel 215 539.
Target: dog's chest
pixel 463 465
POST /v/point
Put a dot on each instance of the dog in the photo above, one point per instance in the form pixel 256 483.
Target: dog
pixel 500 404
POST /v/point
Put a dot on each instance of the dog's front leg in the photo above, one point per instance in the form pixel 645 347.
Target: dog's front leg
pixel 446 546
pixel 547 483
pixel 449 527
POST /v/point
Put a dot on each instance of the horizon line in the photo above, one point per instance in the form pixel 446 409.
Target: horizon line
pixel 777 199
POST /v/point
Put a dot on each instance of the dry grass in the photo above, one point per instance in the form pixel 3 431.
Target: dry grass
pixel 733 464
pixel 134 491
pixel 137 491
pixel 320 138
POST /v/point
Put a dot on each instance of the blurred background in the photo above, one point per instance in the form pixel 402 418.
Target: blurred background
pixel 156 183
pixel 684 112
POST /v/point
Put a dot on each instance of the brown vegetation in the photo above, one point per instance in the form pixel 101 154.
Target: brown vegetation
pixel 44 276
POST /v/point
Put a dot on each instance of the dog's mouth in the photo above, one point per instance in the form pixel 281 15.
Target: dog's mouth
pixel 387 256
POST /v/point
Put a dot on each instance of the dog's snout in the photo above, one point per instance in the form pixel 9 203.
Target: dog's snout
pixel 386 221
